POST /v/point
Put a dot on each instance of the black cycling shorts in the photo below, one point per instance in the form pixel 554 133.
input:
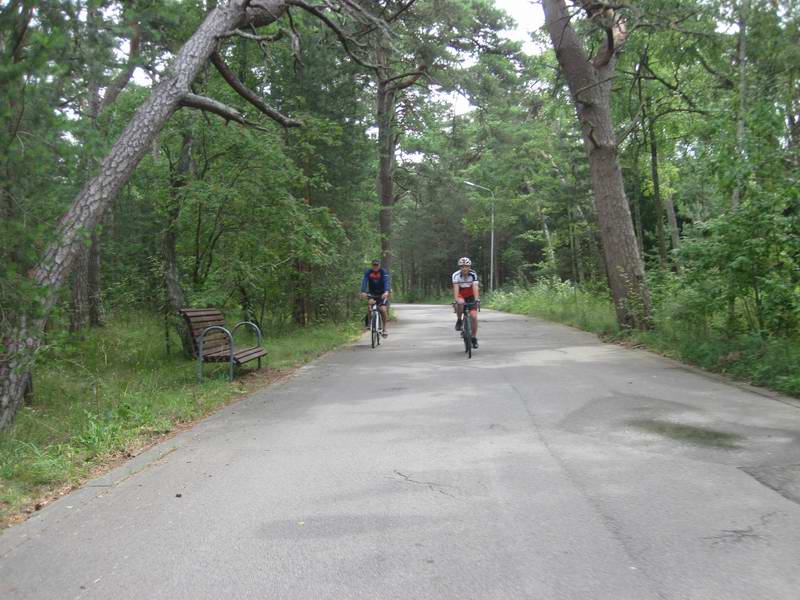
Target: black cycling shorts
pixel 470 300
pixel 379 300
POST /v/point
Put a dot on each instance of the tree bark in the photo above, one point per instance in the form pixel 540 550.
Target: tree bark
pixel 93 282
pixel 387 146
pixel 672 219
pixel 659 205
pixel 176 299
pixel 636 202
pixel 79 309
pixel 24 339
pixel 589 82
pixel 388 88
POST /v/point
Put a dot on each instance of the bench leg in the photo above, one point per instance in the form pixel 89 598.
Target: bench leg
pixel 259 362
pixel 200 369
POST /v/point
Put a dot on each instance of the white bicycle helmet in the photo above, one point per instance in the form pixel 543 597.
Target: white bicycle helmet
pixel 464 262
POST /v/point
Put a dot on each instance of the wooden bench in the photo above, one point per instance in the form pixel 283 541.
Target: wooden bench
pixel 213 342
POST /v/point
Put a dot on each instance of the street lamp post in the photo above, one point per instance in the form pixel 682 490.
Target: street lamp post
pixel 491 243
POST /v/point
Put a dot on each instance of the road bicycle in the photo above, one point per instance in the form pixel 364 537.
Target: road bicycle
pixel 375 321
pixel 466 331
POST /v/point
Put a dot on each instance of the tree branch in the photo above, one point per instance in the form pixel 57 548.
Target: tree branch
pixel 249 94
pixel 400 11
pixel 343 38
pixel 401 85
pixel 252 36
pixel 118 84
pixel 218 108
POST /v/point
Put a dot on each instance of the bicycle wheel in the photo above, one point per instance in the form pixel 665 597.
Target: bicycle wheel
pixel 379 327
pixel 467 331
pixel 374 328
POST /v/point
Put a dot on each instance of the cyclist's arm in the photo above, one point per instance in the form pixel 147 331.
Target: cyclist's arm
pixel 364 283
pixel 455 292
pixel 387 283
pixel 476 291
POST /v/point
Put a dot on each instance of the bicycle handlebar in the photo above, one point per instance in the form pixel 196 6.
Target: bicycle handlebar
pixel 477 304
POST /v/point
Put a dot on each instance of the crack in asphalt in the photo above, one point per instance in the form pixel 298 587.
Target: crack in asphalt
pixel 736 536
pixel 431 485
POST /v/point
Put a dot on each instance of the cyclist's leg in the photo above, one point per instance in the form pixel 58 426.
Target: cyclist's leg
pixel 459 312
pixel 384 308
pixel 474 314
pixel 370 302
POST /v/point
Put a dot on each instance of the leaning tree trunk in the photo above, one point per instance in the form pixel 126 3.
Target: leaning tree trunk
pixel 590 82
pixel 23 340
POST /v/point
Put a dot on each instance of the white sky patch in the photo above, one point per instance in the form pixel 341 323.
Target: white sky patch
pixel 529 17
pixel 141 77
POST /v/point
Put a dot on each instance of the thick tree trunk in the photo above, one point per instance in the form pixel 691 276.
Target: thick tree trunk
pixel 176 299
pixel 387 141
pixel 590 85
pixel 23 341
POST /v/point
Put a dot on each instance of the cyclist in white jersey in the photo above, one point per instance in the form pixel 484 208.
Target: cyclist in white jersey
pixel 466 290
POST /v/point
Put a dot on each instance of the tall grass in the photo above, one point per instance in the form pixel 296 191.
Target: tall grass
pixel 559 301
pixel 678 332
pixel 114 391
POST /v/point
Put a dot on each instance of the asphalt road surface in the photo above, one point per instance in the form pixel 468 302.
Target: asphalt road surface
pixel 549 466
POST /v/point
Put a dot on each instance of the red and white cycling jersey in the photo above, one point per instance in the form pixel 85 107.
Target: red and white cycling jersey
pixel 466 283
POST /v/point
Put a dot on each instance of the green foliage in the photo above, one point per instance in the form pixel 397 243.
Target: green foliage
pixel 559 301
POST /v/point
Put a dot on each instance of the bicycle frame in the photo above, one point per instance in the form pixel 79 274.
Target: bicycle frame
pixel 375 320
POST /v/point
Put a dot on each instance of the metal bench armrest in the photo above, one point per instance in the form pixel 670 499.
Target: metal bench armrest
pixel 253 326
pixel 200 339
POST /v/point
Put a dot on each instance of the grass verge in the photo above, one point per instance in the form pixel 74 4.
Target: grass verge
pixel 763 361
pixel 105 398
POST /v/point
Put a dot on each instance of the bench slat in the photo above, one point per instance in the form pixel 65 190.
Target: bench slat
pixel 196 331
pixel 220 348
pixel 206 321
pixel 243 356
pixel 197 312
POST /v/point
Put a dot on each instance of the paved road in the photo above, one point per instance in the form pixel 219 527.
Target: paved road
pixel 550 466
